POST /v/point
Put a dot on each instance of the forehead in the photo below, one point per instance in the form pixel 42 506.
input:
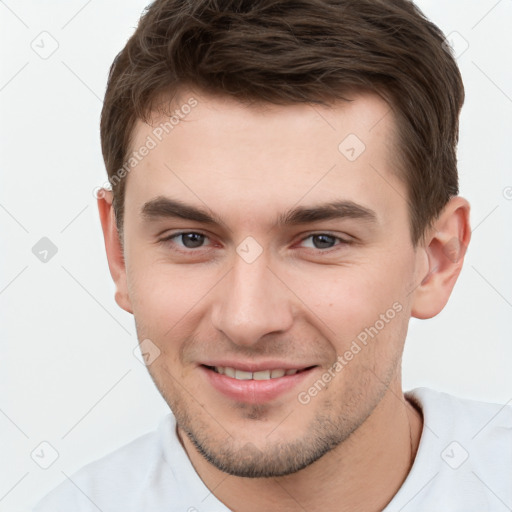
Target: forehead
pixel 266 156
pixel 222 120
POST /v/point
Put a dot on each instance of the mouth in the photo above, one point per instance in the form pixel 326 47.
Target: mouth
pixel 256 385
pixel 235 373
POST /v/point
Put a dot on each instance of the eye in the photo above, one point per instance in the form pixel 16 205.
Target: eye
pixel 188 239
pixel 323 241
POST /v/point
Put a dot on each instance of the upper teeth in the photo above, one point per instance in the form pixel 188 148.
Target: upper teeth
pixel 261 375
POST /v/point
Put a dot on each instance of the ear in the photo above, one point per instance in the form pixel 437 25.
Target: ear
pixel 445 247
pixel 116 263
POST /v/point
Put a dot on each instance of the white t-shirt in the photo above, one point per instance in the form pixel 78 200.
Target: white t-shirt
pixel 463 464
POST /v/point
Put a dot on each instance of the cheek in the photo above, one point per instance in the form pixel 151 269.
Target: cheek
pixel 169 303
pixel 165 293
pixel 348 302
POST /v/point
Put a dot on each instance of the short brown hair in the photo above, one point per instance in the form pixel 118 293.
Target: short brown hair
pixel 286 52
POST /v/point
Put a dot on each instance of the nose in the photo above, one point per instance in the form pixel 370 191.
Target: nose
pixel 251 303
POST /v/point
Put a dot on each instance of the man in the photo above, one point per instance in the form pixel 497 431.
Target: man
pixel 284 200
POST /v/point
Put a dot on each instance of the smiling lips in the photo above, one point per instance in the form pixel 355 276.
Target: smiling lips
pixel 259 375
pixel 258 386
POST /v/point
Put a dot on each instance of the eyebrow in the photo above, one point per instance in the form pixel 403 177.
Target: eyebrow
pixel 164 207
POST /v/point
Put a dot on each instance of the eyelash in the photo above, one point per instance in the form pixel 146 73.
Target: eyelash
pixel 168 241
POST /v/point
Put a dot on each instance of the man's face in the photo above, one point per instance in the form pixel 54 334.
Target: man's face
pixel 271 280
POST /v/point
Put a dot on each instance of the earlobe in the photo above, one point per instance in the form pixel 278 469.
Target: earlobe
pixel 445 248
pixel 114 250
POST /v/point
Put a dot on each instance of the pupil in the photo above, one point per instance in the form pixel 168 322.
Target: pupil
pixel 323 241
pixel 192 240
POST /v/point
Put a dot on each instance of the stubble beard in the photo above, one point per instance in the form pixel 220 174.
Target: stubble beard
pixel 328 430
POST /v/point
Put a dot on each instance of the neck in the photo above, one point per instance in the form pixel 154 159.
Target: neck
pixel 361 474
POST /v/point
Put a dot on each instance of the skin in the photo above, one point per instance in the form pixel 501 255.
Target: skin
pixel 353 443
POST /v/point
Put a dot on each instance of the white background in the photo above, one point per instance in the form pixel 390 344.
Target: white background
pixel 68 373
